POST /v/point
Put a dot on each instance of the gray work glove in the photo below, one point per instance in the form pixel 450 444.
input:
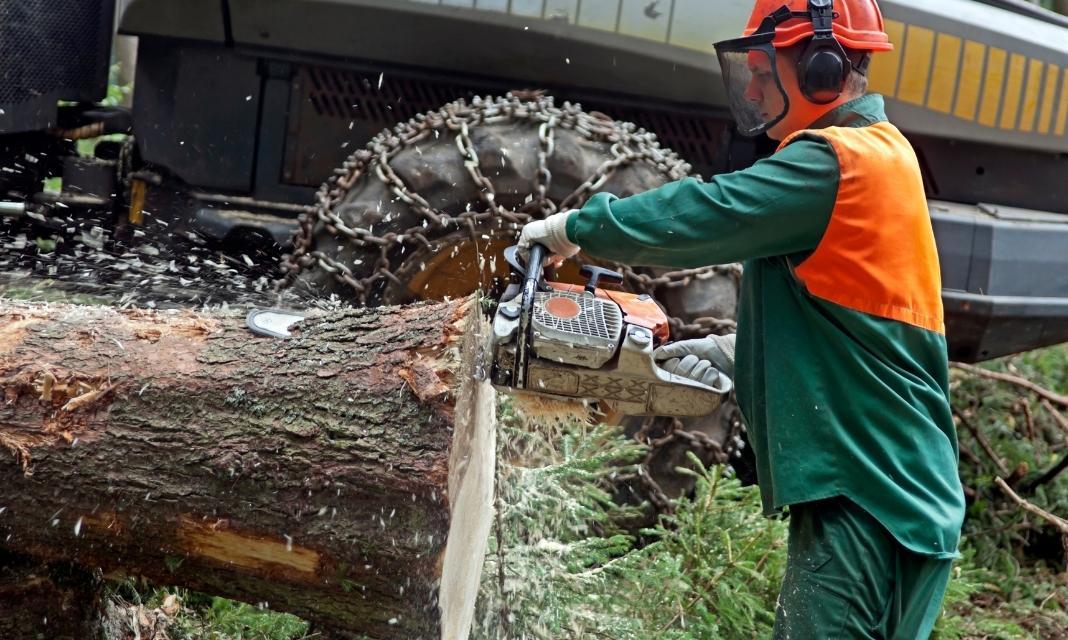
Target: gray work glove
pixel 694 368
pixel 551 233
pixel 694 358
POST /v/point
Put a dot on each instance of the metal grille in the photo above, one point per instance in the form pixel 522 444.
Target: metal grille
pixel 695 137
pixel 337 93
pixel 338 110
pixel 49 47
pixel 338 105
pixel 597 318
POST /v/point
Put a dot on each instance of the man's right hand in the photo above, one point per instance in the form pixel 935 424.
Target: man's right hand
pixel 685 356
pixel 551 233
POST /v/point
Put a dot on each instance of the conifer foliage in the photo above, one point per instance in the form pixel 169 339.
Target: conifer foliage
pixel 564 566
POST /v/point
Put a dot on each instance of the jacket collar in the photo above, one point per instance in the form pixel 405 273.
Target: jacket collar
pixel 859 112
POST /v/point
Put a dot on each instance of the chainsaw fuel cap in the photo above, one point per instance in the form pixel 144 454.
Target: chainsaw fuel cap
pixel 640 336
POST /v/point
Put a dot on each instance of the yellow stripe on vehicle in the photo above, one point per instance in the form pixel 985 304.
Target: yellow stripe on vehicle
pixel 882 76
pixel 995 76
pixel 944 74
pixel 1013 91
pixel 1030 103
pixel 1062 111
pixel 971 77
pixel 916 69
pixel 1049 95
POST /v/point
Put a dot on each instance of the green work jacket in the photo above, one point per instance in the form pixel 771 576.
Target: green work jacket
pixel 838 402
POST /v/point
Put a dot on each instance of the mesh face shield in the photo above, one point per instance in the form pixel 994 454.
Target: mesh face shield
pixel 754 90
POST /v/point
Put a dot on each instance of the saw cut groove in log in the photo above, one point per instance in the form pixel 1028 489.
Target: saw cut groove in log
pixel 344 474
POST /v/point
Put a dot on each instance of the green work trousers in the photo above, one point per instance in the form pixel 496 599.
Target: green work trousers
pixel 847 577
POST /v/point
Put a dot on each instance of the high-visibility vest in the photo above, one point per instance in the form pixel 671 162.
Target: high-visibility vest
pixel 878 253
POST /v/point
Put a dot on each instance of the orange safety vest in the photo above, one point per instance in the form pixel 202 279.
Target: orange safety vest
pixel 878 253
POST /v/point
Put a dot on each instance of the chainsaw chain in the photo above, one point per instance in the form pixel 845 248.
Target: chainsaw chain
pixel 628 144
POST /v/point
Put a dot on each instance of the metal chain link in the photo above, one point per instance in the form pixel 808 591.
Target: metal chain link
pixel 628 145
pixel 543 177
pixel 716 452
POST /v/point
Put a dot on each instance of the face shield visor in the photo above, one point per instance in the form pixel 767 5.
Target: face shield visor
pixel 754 90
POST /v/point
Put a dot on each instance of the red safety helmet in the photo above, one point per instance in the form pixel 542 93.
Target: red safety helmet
pixel 836 36
pixel 858 24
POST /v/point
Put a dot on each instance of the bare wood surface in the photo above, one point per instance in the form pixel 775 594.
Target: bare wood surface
pixel 317 474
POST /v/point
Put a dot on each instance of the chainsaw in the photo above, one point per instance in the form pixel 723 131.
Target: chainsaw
pixel 583 342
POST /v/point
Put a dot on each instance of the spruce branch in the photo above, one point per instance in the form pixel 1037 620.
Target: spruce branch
pixel 1057 415
pixel 982 441
pixel 1045 477
pixel 1016 380
pixel 1059 523
pixel 1029 419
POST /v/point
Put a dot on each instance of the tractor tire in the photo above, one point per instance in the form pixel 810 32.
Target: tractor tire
pixel 425 210
pixel 423 219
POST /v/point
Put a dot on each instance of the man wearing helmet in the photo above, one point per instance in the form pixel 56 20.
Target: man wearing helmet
pixel 841 368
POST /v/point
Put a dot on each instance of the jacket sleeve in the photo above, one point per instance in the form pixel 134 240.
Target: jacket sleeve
pixel 781 205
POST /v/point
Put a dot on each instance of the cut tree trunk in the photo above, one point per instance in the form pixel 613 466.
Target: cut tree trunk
pixel 344 474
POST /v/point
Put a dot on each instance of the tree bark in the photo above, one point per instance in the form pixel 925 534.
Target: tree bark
pixel 343 474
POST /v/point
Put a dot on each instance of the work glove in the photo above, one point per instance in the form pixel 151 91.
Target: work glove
pixel 550 233
pixel 694 368
pixel 693 358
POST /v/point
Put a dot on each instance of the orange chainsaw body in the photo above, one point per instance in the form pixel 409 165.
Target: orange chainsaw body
pixel 638 309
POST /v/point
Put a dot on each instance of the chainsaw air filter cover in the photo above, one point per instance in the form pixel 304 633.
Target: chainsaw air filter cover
pixel 575 328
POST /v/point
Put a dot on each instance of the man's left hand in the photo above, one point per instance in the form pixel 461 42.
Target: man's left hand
pixel 693 368
pixel 719 350
pixel 550 233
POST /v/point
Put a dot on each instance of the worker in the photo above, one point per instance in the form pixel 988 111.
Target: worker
pixel 841 369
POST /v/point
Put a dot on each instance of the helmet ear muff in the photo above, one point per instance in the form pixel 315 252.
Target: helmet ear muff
pixel 823 67
pixel 822 71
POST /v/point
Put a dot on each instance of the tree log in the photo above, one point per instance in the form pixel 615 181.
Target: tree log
pixel 343 474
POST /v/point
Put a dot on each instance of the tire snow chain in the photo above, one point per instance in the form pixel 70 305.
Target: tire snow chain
pixel 628 143
pixel 720 453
